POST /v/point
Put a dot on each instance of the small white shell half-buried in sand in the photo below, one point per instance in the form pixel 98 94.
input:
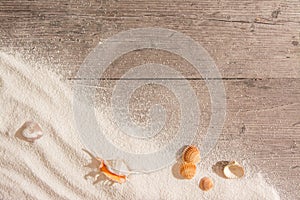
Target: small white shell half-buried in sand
pixel 30 131
pixel 229 169
pixel 233 170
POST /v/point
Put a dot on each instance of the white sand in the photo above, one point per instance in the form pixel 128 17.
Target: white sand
pixel 53 166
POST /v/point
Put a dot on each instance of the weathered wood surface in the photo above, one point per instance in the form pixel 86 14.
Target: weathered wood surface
pixel 255 44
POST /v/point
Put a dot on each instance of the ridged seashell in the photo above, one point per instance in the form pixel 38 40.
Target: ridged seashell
pixel 233 170
pixel 229 169
pixel 31 131
pixel 188 170
pixel 206 184
pixel 191 154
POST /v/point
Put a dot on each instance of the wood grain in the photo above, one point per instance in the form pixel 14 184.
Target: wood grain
pixel 255 44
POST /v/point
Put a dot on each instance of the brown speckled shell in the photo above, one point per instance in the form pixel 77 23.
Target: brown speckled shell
pixel 191 154
pixel 206 184
pixel 188 170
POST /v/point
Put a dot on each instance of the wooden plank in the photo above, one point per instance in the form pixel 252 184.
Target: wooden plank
pixel 263 115
pixel 246 39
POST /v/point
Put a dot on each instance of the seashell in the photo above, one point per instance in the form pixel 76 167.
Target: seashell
pixel 188 170
pixel 118 166
pixel 104 168
pixel 191 154
pixel 219 167
pixel 229 169
pixel 206 184
pixel 233 170
pixel 31 131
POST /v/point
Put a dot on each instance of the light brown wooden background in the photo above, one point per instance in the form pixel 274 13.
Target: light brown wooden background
pixel 255 44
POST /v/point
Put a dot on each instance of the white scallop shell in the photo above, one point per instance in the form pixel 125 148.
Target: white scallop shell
pixel 31 131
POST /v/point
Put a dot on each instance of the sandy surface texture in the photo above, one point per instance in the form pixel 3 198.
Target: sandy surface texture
pixel 55 166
